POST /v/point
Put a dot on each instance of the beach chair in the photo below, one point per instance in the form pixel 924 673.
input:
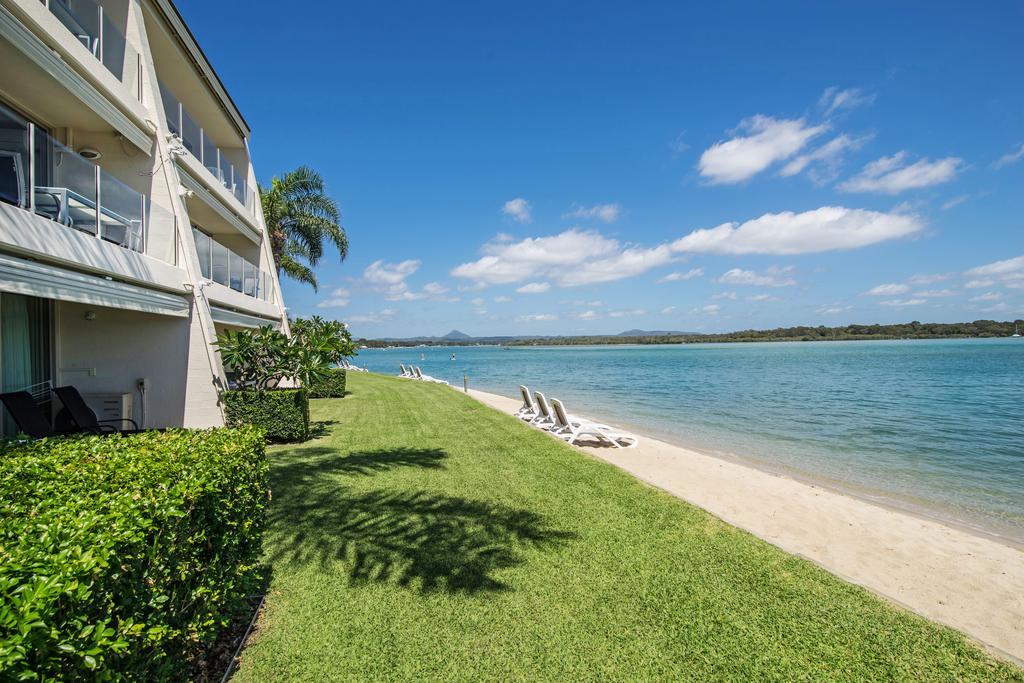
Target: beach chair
pixel 26 414
pixel 427 378
pixel 528 411
pixel 545 417
pixel 84 419
pixel 572 428
pixel 404 372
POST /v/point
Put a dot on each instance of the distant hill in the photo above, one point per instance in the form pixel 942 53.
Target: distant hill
pixel 653 333
pixel 911 330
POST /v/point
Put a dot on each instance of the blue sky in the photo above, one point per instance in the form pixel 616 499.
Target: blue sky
pixel 579 168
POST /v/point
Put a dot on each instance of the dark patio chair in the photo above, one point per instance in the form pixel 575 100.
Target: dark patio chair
pixel 26 414
pixel 83 418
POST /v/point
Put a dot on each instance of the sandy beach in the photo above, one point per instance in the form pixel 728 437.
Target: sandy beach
pixel 969 582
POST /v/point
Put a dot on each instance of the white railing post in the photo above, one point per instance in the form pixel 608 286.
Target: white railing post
pixel 202 147
pixel 99 31
pixel 32 166
pixel 99 206
pixel 144 226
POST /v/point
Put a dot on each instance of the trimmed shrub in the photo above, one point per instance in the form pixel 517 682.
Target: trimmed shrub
pixel 330 385
pixel 122 557
pixel 283 414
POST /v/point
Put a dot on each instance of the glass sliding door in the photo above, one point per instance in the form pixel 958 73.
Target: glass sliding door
pixel 25 349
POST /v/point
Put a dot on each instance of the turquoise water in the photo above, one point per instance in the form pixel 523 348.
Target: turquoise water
pixel 936 427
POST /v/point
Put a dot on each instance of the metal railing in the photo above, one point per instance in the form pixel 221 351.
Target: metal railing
pixel 198 143
pixel 224 266
pixel 41 175
pixel 91 24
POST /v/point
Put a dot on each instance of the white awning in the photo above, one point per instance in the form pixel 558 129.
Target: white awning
pixel 226 316
pixel 19 276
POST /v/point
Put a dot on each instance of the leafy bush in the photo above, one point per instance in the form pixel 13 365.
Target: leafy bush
pixel 330 385
pixel 263 358
pixel 123 556
pixel 282 414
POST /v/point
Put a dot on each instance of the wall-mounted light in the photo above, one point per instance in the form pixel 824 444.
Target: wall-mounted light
pixel 90 153
pixel 90 315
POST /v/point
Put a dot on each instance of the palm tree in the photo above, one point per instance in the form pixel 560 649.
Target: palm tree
pixel 300 218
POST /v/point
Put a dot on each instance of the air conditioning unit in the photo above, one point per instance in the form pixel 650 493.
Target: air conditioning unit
pixel 111 407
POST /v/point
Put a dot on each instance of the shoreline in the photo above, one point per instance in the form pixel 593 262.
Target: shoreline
pixel 952 575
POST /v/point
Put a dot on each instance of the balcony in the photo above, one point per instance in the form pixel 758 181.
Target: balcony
pixel 225 267
pixel 198 143
pixel 41 175
pixel 92 24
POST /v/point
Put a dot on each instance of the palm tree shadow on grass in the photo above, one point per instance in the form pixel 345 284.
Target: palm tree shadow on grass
pixel 415 539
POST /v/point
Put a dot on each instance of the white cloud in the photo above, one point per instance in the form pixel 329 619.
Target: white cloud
pixel 534 288
pixel 892 175
pixel 929 278
pixel 762 297
pixel 667 310
pixel 823 163
pixel 516 261
pixel 724 295
pixel 978 284
pixel 935 293
pixel 772 277
pixel 502 299
pixel 389 278
pixel 380 273
pixel 688 275
pixel 835 99
pixel 575 257
pixel 339 297
pixel 626 314
pixel 987 296
pixel 710 309
pixel 891 289
pixel 825 229
pixel 903 302
pixel 766 142
pixel 478 301
pixel 1010 266
pixel 1011 157
pixel 537 317
pixel 955 201
pixel 586 315
pixel 833 309
pixel 631 261
pixel 518 209
pixel 374 318
pixel 608 213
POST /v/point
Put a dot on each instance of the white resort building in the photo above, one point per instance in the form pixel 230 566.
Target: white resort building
pixel 130 228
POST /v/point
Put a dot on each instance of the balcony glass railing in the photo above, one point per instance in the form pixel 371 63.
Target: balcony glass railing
pixel 89 23
pixel 220 264
pixel 195 140
pixel 41 175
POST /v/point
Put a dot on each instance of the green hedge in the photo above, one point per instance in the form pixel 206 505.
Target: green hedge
pixel 283 414
pixel 121 557
pixel 331 385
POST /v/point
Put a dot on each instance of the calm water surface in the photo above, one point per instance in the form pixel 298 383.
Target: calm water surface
pixel 936 427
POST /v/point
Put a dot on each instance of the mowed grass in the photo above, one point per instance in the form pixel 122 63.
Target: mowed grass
pixel 428 537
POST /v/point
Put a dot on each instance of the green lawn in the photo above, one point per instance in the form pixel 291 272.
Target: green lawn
pixel 426 536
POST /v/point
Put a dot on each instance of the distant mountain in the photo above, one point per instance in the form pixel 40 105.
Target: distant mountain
pixel 455 334
pixel 650 333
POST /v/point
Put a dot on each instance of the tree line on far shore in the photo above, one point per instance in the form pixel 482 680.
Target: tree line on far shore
pixel 911 330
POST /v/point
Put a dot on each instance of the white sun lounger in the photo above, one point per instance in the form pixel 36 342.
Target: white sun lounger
pixel 545 416
pixel 528 411
pixel 406 372
pixel 573 428
pixel 427 378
